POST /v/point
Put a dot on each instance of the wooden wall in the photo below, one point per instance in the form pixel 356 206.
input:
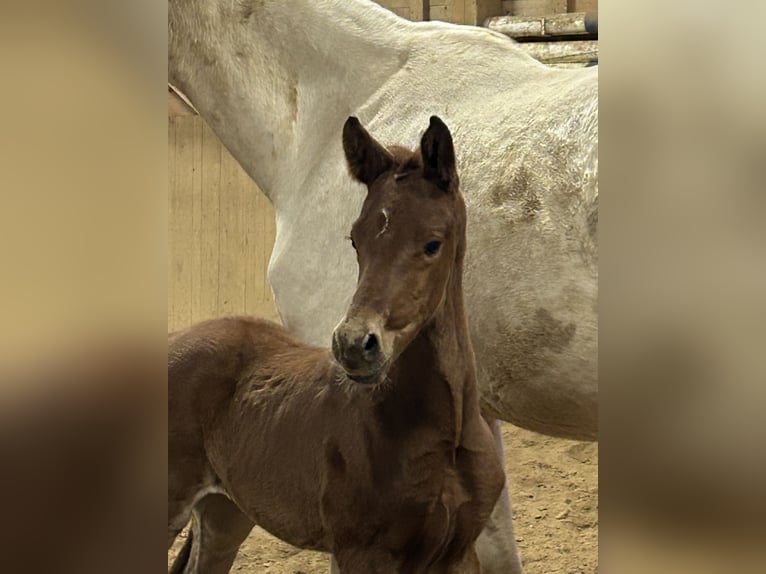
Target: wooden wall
pixel 410 9
pixel 472 12
pixel 547 7
pixel 476 11
pixel 457 11
pixel 220 230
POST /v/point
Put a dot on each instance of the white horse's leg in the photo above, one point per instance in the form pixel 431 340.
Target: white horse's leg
pixel 334 568
pixel 496 544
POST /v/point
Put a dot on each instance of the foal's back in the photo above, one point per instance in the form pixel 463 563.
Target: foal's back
pixel 239 358
pixel 226 348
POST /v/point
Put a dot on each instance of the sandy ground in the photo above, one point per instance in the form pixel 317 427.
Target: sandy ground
pixel 554 490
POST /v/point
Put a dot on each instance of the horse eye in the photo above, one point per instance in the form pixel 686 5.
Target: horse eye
pixel 432 248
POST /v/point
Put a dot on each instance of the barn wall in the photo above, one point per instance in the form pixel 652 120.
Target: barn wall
pixel 547 7
pixel 220 230
pixel 477 11
pixel 457 11
pixel 410 9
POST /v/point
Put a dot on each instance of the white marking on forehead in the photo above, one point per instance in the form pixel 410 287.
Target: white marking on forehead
pixel 385 223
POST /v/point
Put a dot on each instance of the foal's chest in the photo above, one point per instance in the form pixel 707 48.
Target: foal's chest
pixel 407 503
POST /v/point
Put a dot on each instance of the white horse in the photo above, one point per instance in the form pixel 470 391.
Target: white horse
pixel 276 81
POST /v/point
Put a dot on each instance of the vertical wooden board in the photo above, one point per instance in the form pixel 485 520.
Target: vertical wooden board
pixel 231 289
pixel 180 228
pixel 209 224
pixel 477 11
pixel 171 190
pixel 472 12
pixel 245 187
pixel 439 12
pixel 582 5
pixel 196 236
pixel 534 7
pixel 449 11
pixel 460 12
pixel 410 9
pixel 252 261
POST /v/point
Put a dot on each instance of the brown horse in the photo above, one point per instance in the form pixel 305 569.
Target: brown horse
pixel 376 451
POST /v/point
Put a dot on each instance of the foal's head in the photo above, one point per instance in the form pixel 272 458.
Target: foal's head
pixel 409 241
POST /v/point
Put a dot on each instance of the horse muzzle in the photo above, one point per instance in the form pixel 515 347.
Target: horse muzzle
pixel 359 347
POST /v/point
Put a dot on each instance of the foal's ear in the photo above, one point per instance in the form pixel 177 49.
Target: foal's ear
pixel 366 158
pixel 438 154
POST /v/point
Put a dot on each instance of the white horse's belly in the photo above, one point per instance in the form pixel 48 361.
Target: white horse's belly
pixel 531 297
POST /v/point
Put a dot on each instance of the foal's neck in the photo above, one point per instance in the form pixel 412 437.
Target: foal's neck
pixel 275 80
pixel 437 371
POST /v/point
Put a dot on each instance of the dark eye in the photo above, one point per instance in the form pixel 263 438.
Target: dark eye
pixel 432 248
pixel 351 239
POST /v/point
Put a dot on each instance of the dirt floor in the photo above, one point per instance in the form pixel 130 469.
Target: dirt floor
pixel 554 490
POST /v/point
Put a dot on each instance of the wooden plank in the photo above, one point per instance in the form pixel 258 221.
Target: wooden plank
pixel 231 232
pixel 571 24
pixel 472 12
pixel 209 224
pixel 171 245
pixel 562 52
pixel 537 26
pixel 197 265
pixel 180 222
pixel 448 11
pixel 517 26
pixel 478 11
pixel 534 7
pixel 410 9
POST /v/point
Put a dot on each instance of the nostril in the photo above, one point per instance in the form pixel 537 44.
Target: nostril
pixel 370 342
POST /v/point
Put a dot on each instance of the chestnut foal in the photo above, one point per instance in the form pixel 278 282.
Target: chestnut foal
pixel 376 451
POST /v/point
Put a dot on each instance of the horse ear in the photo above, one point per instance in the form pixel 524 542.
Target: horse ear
pixel 438 154
pixel 366 158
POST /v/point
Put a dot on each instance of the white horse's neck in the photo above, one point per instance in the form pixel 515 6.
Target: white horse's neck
pixel 269 74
